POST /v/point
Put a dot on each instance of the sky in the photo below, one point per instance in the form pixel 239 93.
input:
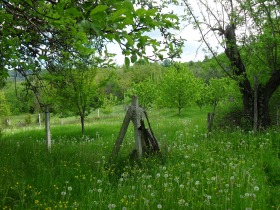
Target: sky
pixel 191 51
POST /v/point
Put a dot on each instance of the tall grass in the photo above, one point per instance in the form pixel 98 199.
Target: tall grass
pixel 235 170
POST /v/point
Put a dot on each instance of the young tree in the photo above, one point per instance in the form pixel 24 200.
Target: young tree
pixel 249 33
pixel 146 91
pixel 178 88
pixel 77 90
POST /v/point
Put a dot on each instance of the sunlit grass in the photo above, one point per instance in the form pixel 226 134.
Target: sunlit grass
pixel 234 170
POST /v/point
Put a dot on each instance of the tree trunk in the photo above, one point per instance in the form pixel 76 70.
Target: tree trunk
pixel 264 92
pixel 83 123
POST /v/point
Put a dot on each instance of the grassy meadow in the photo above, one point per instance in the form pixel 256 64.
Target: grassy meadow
pixel 225 170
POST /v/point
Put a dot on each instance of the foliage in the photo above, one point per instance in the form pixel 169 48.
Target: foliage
pixel 36 35
pixel 146 91
pixel 4 106
pixel 178 88
pixel 108 104
pixel 205 93
pixel 224 89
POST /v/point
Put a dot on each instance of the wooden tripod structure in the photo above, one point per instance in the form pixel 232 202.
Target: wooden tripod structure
pixel 145 141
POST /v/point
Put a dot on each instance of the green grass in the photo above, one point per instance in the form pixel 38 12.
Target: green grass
pixel 235 170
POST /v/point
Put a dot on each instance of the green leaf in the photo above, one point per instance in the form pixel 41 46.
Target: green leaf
pixel 133 58
pixel 127 62
pixel 129 40
pixel 98 9
pixel 140 12
pixel 117 14
pixel 73 12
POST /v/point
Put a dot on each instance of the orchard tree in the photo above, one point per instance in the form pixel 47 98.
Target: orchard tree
pixel 146 91
pixel 249 33
pixel 178 88
pixel 204 93
pixel 77 91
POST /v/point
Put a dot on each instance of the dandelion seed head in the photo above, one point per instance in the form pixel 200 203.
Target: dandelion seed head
pixel 159 206
pixel 256 188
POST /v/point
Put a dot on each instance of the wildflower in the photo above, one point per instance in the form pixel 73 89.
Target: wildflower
pixel 63 193
pixel 181 186
pixel 181 202
pixel 99 181
pixel 209 197
pixel 111 206
pixel 69 188
pixel 99 190
pixel 159 206
pixel 256 188
pixel 197 183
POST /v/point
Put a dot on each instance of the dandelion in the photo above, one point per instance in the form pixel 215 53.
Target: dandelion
pixel 181 202
pixel 159 206
pixel 197 183
pixel 181 186
pixel 209 197
pixel 111 206
pixel 99 190
pixel 69 188
pixel 99 181
pixel 158 175
pixel 63 193
pixel 256 188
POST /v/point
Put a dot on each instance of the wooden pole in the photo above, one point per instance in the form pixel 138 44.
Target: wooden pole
pixel 122 132
pixel 136 117
pixel 47 127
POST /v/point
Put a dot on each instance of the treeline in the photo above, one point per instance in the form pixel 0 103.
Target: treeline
pixel 81 89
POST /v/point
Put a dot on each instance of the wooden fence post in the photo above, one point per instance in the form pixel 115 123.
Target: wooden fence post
pixel 47 127
pixel 136 117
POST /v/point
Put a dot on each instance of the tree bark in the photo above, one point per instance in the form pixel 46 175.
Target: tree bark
pixel 264 93
pixel 83 123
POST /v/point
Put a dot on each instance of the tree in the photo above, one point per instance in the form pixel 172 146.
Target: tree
pixel 178 88
pixel 36 34
pixel 146 91
pixel 77 90
pixel 249 33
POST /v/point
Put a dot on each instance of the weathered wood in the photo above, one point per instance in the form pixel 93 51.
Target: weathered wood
pixel 122 132
pixel 47 127
pixel 144 141
pixel 136 122
pixel 154 141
